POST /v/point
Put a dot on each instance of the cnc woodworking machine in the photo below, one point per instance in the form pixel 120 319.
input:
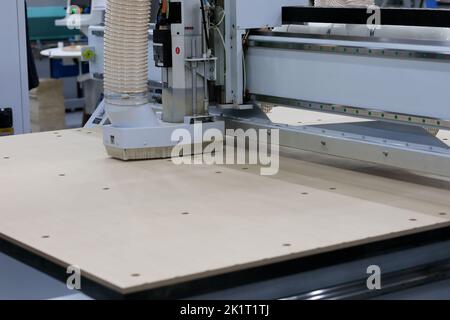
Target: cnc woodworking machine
pixel 332 60
pixel 369 191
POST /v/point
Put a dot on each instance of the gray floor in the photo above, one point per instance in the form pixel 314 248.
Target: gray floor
pixel 21 282
pixel 74 119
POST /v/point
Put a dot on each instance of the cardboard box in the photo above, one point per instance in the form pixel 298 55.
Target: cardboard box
pixel 47 110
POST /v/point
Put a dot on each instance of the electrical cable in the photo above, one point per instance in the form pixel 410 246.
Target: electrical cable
pixel 220 21
pixel 205 27
pixel 221 38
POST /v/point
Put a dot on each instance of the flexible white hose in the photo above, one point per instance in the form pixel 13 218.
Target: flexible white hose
pixel 126 52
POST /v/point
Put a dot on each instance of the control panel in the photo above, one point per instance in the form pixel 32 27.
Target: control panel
pixel 6 121
pixel 169 13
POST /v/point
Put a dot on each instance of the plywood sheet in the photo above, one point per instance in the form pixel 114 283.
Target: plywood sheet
pixel 141 225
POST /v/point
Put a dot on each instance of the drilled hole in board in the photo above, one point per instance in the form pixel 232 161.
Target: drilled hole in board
pixel 442 213
pixel 62 174
pixel 305 193
pixel 218 172
pixel 106 189
pixel 413 220
pixel 45 237
pixel 287 245
pixel 135 275
pixel 6 158
pixel 185 213
pixel 245 168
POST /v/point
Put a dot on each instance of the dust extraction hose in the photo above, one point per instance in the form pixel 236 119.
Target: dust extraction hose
pixel 126 51
pixel 127 25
